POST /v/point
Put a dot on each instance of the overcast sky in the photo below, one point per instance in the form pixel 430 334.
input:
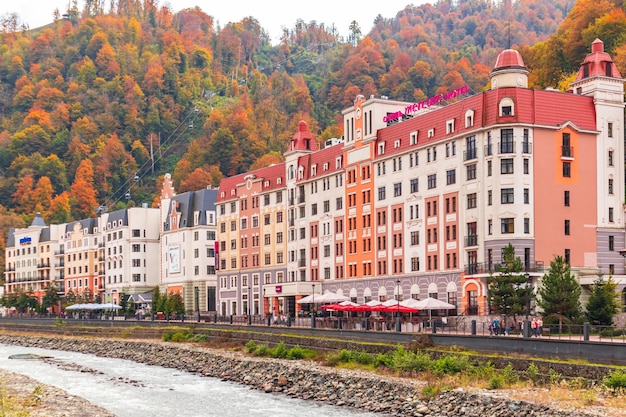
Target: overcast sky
pixel 271 14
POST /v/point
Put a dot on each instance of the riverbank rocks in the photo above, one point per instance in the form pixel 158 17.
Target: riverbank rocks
pixel 387 396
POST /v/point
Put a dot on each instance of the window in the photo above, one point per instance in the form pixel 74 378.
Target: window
pixel 506 141
pixel 489 197
pixel 415 264
pixel 489 168
pixel 526 196
pixel 414 185
pixel 397 189
pixel 611 243
pixel 415 238
pixel 432 181
pixel 506 196
pixel 471 201
pixel 566 228
pixel 526 166
pixel 566 256
pixel 490 227
pixel 526 225
pixel 525 142
pixel 610 130
pixel 506 166
pixel 567 169
pixel 507 225
pixel 611 215
pixel 610 185
pixel 339 203
pixel 451 176
pixel 566 147
pixel 566 198
pixel 507 111
pixel 610 158
pixel 471 172
pixel 326 206
pixel 279 217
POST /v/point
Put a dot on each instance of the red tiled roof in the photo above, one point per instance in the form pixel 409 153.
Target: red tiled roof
pixel 270 174
pixel 509 58
pixel 598 62
pixel 538 107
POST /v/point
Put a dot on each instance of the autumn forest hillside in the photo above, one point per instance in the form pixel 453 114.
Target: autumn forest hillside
pixel 99 104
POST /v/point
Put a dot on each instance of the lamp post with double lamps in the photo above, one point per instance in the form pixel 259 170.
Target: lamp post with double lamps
pixel 249 305
pixel 398 323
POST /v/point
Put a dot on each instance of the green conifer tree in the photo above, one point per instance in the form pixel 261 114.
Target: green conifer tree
pixel 559 293
pixel 602 304
pixel 508 294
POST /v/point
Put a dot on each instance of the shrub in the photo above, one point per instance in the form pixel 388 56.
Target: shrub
pixel 199 338
pixel 262 350
pixel 554 377
pixel 616 381
pixel 250 346
pixel 509 375
pixel 452 364
pixel 496 382
pixel 532 373
pixel 411 361
pixel 295 352
pixel 280 350
pixel 181 336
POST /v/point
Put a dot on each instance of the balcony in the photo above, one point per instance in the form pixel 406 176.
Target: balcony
pixel 471 240
pixel 302 263
pixel 527 147
pixel 487 268
pixel 301 199
pixel 506 147
pixel 488 150
pixel 470 154
pixel 567 151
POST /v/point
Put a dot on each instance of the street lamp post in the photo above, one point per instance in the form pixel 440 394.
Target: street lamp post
pixel 313 307
pixel 249 306
pixel 527 322
pixel 398 323
pixel 197 299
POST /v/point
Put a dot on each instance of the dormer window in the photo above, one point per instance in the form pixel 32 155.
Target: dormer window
pixel 469 118
pixel 450 126
pixel 396 144
pixel 381 148
pixel 506 107
pixel 431 133
pixel 338 162
pixel 314 170
pixel 413 138
pixel 325 166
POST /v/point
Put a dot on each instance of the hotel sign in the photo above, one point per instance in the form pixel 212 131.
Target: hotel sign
pixel 25 241
pixel 424 104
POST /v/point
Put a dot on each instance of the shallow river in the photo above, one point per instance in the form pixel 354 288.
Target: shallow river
pixel 130 389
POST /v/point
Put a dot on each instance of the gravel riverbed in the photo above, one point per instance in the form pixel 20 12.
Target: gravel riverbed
pixel 389 396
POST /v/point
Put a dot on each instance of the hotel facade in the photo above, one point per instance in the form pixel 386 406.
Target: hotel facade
pixel 419 199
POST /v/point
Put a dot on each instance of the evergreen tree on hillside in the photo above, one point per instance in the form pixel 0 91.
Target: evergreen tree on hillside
pixel 559 293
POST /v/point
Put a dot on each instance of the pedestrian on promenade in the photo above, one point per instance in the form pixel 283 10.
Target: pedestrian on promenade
pixel 540 326
pixel 535 326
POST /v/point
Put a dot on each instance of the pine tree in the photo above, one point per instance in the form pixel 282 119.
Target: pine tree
pixel 602 304
pixel 508 294
pixel 559 293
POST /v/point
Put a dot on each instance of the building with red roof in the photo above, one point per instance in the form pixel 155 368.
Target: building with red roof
pixel 419 199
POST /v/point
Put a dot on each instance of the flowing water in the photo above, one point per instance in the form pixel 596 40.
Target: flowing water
pixel 130 389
